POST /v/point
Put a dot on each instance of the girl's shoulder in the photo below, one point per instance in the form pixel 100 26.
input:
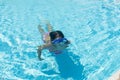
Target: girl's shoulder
pixel 60 40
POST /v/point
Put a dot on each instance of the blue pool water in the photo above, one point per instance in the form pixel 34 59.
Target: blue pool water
pixel 92 26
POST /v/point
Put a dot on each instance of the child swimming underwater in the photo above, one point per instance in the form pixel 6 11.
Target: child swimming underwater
pixel 54 41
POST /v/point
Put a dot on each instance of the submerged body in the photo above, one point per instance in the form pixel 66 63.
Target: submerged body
pixel 54 41
pixel 56 45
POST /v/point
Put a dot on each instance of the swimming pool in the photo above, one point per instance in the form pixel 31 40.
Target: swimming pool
pixel 92 26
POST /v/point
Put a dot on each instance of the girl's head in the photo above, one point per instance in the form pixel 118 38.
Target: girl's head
pixel 56 34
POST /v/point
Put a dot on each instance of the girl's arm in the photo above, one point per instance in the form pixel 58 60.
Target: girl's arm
pixel 40 48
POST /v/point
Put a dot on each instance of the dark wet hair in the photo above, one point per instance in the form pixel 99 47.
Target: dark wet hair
pixel 54 33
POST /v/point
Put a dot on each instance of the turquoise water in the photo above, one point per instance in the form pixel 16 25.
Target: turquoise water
pixel 92 26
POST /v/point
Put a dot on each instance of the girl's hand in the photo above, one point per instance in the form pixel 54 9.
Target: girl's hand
pixel 41 59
